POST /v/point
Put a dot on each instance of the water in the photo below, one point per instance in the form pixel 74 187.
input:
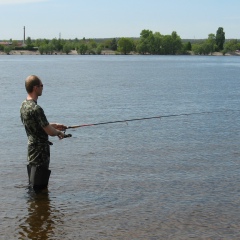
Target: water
pixel 169 178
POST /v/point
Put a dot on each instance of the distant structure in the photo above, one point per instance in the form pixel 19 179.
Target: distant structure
pixel 24 35
pixel 59 35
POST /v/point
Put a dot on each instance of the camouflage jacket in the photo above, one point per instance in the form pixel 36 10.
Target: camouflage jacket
pixel 34 119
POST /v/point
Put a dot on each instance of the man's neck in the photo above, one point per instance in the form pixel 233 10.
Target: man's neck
pixel 32 97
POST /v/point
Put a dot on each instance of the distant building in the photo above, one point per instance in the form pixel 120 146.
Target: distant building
pixel 6 43
pixel 14 43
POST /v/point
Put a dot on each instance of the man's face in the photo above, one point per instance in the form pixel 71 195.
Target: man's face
pixel 39 89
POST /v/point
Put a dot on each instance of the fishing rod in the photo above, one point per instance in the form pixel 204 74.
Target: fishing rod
pixel 141 119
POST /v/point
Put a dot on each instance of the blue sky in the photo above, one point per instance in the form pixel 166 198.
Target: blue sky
pixel 117 18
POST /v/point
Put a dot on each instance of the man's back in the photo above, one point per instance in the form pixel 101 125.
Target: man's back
pixel 34 119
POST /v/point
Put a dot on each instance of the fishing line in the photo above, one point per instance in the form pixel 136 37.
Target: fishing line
pixel 146 118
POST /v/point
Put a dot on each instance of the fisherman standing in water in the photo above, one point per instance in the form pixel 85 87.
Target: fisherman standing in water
pixel 37 129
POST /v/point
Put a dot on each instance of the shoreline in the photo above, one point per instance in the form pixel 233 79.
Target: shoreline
pixel 104 52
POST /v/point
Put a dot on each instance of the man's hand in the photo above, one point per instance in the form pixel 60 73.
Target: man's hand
pixel 61 135
pixel 55 129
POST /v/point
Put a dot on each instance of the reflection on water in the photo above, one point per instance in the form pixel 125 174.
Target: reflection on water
pixel 40 223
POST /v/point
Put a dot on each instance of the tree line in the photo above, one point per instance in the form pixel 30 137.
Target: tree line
pixel 148 43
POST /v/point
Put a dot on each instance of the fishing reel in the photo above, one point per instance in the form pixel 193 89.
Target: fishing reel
pixel 67 135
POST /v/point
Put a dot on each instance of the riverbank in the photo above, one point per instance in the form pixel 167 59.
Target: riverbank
pixel 104 52
pixel 73 52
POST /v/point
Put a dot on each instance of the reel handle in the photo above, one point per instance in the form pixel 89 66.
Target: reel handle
pixel 67 135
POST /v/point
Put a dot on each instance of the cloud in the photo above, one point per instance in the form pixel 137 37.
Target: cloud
pixel 5 2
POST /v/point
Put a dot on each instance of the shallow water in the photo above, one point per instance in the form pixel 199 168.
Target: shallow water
pixel 176 177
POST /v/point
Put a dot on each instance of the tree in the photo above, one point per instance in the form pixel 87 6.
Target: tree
pixel 125 45
pixel 167 45
pixel 82 49
pixel 206 48
pixel 186 47
pixel 197 49
pixel 50 48
pixel 92 43
pixel 210 43
pixel 146 43
pixel 7 50
pixel 44 48
pixel 29 43
pixel 201 48
pixel 106 43
pixel 176 43
pixel 189 46
pixel 41 49
pixel 113 44
pixel 220 38
pixel 231 46
pixel 14 43
pixel 158 43
pixel 67 48
pixel 142 47
pixel 57 44
pixel 99 49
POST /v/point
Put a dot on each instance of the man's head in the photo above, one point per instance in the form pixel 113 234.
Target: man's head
pixel 33 83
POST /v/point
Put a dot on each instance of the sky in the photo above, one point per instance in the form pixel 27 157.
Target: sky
pixel 70 19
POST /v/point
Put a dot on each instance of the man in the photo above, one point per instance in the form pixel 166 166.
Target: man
pixel 38 129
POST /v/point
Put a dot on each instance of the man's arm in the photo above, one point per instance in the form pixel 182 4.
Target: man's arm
pixel 52 131
pixel 58 126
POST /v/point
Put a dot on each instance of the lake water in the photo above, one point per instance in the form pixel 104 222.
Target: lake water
pixel 177 177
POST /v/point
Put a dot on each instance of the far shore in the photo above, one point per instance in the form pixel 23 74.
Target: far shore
pixel 104 52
